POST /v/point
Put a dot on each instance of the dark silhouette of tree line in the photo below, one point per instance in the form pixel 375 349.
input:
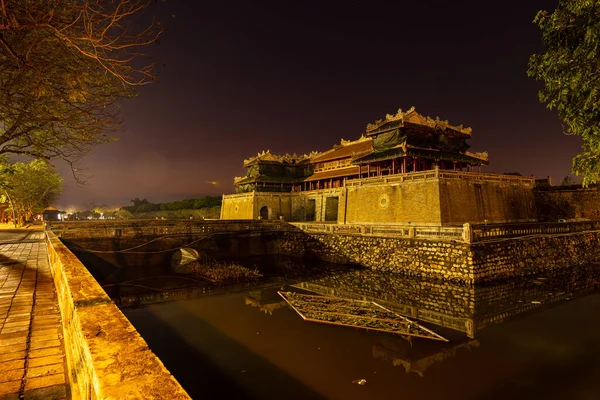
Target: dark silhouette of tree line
pixel 143 205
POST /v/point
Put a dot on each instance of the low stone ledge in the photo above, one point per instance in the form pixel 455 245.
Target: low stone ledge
pixel 106 356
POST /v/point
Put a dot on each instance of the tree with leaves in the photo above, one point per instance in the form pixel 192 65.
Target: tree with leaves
pixel 570 70
pixel 30 187
pixel 64 65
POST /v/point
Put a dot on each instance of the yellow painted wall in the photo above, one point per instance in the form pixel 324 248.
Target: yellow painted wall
pixel 414 202
pixel 279 204
pixel 238 207
pixel 300 203
pixel 463 201
pixel 435 202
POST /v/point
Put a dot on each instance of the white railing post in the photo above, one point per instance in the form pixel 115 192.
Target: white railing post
pixel 467 233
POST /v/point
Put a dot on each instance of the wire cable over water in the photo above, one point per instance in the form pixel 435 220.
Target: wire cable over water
pixel 129 250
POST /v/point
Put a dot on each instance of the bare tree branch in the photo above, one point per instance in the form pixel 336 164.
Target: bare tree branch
pixel 64 65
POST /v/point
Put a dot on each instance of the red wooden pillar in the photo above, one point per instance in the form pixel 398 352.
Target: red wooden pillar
pixel 359 171
pixel 404 165
pixel 368 170
pixel 414 165
pixel 393 166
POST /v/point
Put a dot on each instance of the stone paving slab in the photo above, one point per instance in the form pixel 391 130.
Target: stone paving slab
pixel 32 354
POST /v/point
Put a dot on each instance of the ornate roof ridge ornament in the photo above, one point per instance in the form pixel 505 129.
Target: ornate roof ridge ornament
pixel 266 155
pixel 362 138
pixel 482 155
pixel 413 117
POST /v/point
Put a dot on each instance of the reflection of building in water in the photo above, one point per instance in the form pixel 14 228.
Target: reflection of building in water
pixel 463 308
pixel 265 300
pixel 417 356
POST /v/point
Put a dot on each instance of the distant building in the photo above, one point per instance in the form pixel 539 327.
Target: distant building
pixel 52 214
pixel 406 168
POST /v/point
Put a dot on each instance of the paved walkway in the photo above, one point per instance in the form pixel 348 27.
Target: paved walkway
pixel 32 356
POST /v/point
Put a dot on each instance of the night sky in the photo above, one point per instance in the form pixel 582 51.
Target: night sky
pixel 238 77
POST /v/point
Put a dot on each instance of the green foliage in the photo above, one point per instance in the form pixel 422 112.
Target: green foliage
pixel 570 70
pixel 123 214
pixel 144 206
pixel 30 187
pixel 64 65
pixel 147 207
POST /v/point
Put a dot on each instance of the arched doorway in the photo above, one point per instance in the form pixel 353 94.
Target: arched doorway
pixel 264 212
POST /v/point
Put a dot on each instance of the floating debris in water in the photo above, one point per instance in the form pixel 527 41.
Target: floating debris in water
pixel 355 314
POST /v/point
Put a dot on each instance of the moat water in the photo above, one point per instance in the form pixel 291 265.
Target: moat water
pixel 526 339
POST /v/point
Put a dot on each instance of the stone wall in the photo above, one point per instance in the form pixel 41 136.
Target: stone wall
pixel 106 357
pixel 278 205
pixel 301 207
pixel 419 258
pixel 533 255
pixel 443 259
pixel 554 203
pixel 435 199
pixel 449 261
pixel 468 201
pixel 238 206
pixel 414 202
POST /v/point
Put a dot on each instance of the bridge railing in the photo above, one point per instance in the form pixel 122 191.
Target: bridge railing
pixel 386 230
pixel 136 228
pixel 483 232
pixel 468 233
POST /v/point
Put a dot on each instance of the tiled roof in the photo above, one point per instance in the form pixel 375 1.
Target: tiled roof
pixel 398 151
pixel 334 173
pixel 359 147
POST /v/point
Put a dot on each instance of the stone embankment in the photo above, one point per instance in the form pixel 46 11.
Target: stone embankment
pixel 106 356
pixel 444 259
pixel 412 257
pixel 533 255
pixel 449 261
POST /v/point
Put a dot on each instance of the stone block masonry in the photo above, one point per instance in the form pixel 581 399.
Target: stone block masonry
pixel 411 257
pixel 449 261
pixel 106 356
pixel 528 256
pixel 500 250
